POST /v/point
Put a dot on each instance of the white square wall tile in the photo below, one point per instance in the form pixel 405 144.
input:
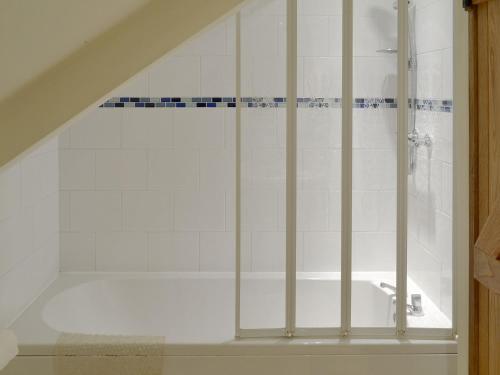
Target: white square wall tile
pixel 217 251
pixel 259 32
pixel 268 251
pixel 334 211
pixel 174 251
pixel 323 77
pixel 318 7
pixel 217 169
pixel 447 188
pixel 10 191
pixel 447 73
pixel 77 169
pixel 260 209
pixel 199 211
pixel 321 169
pixel 147 211
pixel 375 129
pixel 373 251
pixel 64 138
pixel 313 35
pixel 173 169
pixel 335 35
pixel 318 128
pixel 366 39
pixel 230 211
pixel 267 168
pixel 32 171
pixel 430 75
pixel 424 270
pixel 39 175
pixel 77 252
pixel 263 75
pixel 121 169
pixel 17 291
pixel 46 220
pixel 99 128
pixel 444 250
pixel 121 251
pixel 218 76
pixel 374 211
pixel 374 77
pixel 434 26
pixel 312 210
pixel 16 238
pixel 258 128
pixel 95 210
pixel 147 128
pixel 321 251
pixel 175 76
pixel 195 128
pixel 374 170
pixel 231 35
pixel 64 211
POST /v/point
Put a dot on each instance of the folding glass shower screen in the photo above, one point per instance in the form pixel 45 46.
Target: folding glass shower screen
pixel 288 173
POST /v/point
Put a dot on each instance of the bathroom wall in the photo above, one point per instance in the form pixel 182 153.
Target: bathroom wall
pixel 152 189
pixel 430 188
pixel 29 228
pixel 134 178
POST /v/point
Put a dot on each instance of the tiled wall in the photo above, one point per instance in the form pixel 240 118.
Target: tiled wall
pixel 374 139
pixel 29 228
pixel 430 188
pixel 152 189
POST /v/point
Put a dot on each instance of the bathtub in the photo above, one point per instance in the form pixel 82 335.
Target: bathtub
pixel 194 313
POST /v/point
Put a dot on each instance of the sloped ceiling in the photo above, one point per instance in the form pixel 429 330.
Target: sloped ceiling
pixel 71 72
pixel 37 34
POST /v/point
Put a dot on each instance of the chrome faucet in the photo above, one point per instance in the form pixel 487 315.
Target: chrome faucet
pixel 388 286
pixel 415 308
pixel 416 305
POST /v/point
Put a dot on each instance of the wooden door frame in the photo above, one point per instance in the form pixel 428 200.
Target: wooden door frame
pixel 461 178
pixel 484 176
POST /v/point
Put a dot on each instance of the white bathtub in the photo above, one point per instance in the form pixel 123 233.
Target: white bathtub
pixel 195 314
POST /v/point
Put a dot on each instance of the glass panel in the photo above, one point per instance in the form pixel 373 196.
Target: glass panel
pixel 319 163
pixel 263 124
pixel 374 164
pixel 431 165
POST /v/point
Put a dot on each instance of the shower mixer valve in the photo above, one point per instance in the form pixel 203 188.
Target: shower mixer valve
pixel 417 141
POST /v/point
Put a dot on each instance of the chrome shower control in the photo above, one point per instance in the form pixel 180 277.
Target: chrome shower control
pixel 415 139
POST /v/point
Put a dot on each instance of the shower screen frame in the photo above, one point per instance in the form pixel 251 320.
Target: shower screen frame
pixel 400 330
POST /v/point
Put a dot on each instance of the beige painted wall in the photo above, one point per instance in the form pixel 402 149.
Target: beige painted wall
pixel 99 66
pixel 35 35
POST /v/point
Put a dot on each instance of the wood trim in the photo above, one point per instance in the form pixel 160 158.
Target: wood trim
pixel 484 149
pixel 473 192
pixel 478 2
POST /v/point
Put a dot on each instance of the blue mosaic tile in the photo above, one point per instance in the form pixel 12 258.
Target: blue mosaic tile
pixel 271 102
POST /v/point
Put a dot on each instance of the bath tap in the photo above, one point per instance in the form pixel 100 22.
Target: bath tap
pixel 388 286
pixel 415 308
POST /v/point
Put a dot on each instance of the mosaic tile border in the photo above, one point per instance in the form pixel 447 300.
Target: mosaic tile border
pixel 269 102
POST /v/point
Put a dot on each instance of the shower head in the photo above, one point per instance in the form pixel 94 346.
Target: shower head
pixel 410 4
